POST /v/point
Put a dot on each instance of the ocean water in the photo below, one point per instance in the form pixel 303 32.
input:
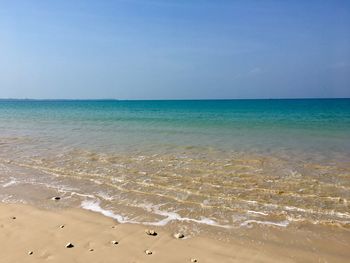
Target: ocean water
pixel 197 165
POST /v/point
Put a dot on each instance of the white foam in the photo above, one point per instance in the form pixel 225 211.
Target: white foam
pixel 257 213
pixel 105 196
pixel 11 182
pixel 94 205
pixel 82 195
pixel 284 223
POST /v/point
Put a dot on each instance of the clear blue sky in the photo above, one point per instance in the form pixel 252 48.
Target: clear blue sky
pixel 180 49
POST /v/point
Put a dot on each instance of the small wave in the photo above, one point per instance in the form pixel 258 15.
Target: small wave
pixel 94 205
pixel 257 213
pixel 284 223
pixel 11 182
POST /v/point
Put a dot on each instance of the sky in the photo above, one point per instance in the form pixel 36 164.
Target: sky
pixel 180 49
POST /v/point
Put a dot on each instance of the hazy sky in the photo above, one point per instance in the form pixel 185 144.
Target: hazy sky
pixel 139 49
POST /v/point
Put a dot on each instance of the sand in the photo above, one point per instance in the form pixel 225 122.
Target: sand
pixel 29 234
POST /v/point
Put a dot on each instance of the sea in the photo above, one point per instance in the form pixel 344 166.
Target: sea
pixel 196 165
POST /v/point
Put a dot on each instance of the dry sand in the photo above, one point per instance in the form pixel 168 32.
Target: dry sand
pixel 40 231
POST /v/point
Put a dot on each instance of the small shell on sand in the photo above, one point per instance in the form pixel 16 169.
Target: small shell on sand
pixel 194 260
pixel 148 252
pixel 56 198
pixel 69 245
pixel 151 232
pixel 114 242
pixel 30 253
pixel 179 235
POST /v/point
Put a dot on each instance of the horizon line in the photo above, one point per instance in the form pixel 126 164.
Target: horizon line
pixel 114 99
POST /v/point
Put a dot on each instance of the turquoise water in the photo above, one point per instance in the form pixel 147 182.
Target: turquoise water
pixel 319 125
pixel 217 163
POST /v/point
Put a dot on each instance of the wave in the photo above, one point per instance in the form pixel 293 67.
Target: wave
pixel 94 205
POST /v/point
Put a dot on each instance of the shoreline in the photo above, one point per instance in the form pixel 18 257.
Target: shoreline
pixel 39 231
pixel 26 229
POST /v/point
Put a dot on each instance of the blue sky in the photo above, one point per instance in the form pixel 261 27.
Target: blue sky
pixel 180 49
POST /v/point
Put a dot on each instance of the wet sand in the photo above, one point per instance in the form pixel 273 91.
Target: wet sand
pixel 28 234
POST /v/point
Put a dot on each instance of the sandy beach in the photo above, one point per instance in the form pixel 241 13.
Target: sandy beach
pixel 29 234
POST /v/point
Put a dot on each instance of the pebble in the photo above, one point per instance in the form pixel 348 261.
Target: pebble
pixel 13 217
pixel 61 226
pixel 114 242
pixel 30 253
pixel 91 249
pixel 194 260
pixel 69 245
pixel 179 235
pixel 151 232
pixel 56 198
pixel 148 252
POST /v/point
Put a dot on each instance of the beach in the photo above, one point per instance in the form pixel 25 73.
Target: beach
pixel 243 181
pixel 40 232
pixel 28 234
pixel 175 131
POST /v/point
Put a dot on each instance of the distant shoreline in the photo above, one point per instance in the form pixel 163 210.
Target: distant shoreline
pixel 243 99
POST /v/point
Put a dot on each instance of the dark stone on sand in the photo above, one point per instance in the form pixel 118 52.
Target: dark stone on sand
pixel 179 235
pixel 61 226
pixel 13 217
pixel 194 260
pixel 151 232
pixel 56 198
pixel 114 242
pixel 148 252
pixel 30 253
pixel 69 245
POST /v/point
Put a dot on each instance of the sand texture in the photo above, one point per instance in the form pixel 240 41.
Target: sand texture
pixel 29 234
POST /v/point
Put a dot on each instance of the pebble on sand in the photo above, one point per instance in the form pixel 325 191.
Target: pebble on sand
pixel 194 260
pixel 148 252
pixel 91 249
pixel 179 235
pixel 30 253
pixel 61 226
pixel 114 242
pixel 13 217
pixel 151 232
pixel 69 245
pixel 56 198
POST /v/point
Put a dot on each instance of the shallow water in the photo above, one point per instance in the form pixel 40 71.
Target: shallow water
pixel 226 164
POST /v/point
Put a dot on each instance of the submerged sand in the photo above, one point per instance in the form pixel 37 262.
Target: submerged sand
pixel 28 234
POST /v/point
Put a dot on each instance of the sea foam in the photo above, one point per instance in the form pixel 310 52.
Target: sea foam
pixel 94 205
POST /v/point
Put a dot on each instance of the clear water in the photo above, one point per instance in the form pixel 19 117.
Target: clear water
pixel 223 163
